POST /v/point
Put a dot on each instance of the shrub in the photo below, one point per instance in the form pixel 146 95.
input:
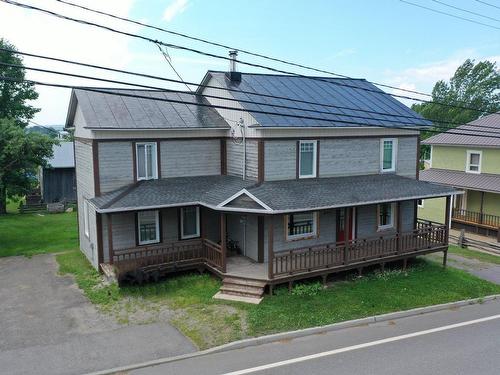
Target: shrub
pixel 309 289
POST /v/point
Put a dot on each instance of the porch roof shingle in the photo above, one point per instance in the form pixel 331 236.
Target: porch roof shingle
pixel 273 196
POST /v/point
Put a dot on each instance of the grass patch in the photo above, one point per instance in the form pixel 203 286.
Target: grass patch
pixel 30 234
pixel 186 301
pixel 472 254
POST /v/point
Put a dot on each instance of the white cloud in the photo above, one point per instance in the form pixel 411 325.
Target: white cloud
pixel 175 7
pixel 33 32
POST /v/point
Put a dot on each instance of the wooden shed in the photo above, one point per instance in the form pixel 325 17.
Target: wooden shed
pixel 58 180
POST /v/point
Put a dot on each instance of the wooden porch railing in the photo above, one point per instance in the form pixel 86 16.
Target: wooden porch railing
pixel 474 217
pixel 197 251
pixel 426 236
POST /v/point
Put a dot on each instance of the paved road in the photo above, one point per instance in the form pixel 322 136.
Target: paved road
pixel 47 326
pixel 471 345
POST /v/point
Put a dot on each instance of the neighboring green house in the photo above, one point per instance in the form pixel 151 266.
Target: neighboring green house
pixel 471 163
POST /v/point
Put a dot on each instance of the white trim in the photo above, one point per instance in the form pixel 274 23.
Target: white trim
pixel 394 155
pixel 250 195
pixel 154 156
pixel 315 156
pixel 468 165
pixel 157 222
pixel 393 211
pixel 301 236
pixel 195 235
pixel 252 210
pixel 86 218
pixel 430 157
pixel 420 205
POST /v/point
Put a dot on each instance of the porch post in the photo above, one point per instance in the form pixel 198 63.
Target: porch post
pixel 481 208
pixel 447 229
pixel 270 249
pixel 398 227
pixel 347 231
pixel 111 251
pixel 223 245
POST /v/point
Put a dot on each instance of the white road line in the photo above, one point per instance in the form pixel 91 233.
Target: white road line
pixel 359 346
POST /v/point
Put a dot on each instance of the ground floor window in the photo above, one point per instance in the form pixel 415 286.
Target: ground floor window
pixel 190 222
pixel 301 225
pixel 385 216
pixel 148 227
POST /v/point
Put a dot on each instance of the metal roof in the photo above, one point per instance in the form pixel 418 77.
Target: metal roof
pixel 335 91
pixel 112 111
pixel 63 157
pixel 482 182
pixel 218 192
pixel 491 127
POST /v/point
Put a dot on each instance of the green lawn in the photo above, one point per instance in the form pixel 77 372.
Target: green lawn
pixel 190 307
pixel 489 258
pixel 29 234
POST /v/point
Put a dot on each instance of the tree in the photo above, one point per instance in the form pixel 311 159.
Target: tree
pixel 472 85
pixel 21 153
pixel 14 95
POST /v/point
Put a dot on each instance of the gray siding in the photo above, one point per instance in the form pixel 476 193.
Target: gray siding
pixel 85 190
pixel 246 233
pixel 338 157
pixel 366 220
pixel 280 160
pixel 326 233
pixel 116 166
pixel 235 159
pixel 190 158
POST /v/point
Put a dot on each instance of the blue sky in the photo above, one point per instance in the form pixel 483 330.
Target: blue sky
pixel 387 40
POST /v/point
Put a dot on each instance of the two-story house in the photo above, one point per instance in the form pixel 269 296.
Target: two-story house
pixel 471 162
pixel 258 194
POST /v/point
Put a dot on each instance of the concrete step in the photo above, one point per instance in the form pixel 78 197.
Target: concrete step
pixel 232 297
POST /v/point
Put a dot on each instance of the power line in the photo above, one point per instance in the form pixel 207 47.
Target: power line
pixel 275 59
pixel 376 90
pixel 168 59
pixel 123 94
pixel 252 93
pixel 466 11
pixel 222 98
pixel 445 13
pixel 489 4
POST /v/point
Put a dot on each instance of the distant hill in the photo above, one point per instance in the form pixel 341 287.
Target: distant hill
pixel 49 130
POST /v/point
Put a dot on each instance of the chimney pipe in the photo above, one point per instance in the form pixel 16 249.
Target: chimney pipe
pixel 233 75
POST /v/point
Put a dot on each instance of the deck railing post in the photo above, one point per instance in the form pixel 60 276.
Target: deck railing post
pixel 447 219
pixel 223 246
pixel 110 239
pixel 270 249
pixel 398 227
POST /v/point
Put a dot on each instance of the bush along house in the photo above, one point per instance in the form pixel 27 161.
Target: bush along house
pixel 258 194
pixel 470 162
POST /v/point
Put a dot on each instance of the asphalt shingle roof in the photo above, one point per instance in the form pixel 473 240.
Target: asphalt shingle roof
pixel 487 125
pixel 482 182
pixel 336 91
pixel 112 111
pixel 280 196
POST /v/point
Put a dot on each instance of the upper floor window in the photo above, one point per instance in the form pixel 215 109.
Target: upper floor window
pixel 190 222
pixel 301 225
pixel 385 216
pixel 147 166
pixel 473 161
pixel 148 227
pixel 388 147
pixel 307 159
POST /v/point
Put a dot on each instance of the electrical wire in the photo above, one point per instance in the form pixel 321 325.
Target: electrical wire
pixel 489 4
pixel 88 23
pixel 466 11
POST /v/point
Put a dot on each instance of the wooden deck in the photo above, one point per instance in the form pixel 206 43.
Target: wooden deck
pixel 476 218
pixel 152 262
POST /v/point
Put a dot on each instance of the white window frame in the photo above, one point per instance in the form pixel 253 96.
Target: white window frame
pixel 420 205
pixel 393 213
pixel 155 156
pixel 315 161
pixel 197 234
pixel 313 234
pixel 394 155
pixel 468 165
pixel 86 219
pixel 157 223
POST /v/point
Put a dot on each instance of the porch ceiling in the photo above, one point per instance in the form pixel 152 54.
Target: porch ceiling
pixel 272 197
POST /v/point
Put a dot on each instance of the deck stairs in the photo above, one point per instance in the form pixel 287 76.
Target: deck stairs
pixel 241 289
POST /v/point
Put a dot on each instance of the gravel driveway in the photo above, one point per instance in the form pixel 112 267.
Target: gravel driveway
pixel 47 326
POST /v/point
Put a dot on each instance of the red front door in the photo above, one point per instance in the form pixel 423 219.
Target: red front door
pixel 344 224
